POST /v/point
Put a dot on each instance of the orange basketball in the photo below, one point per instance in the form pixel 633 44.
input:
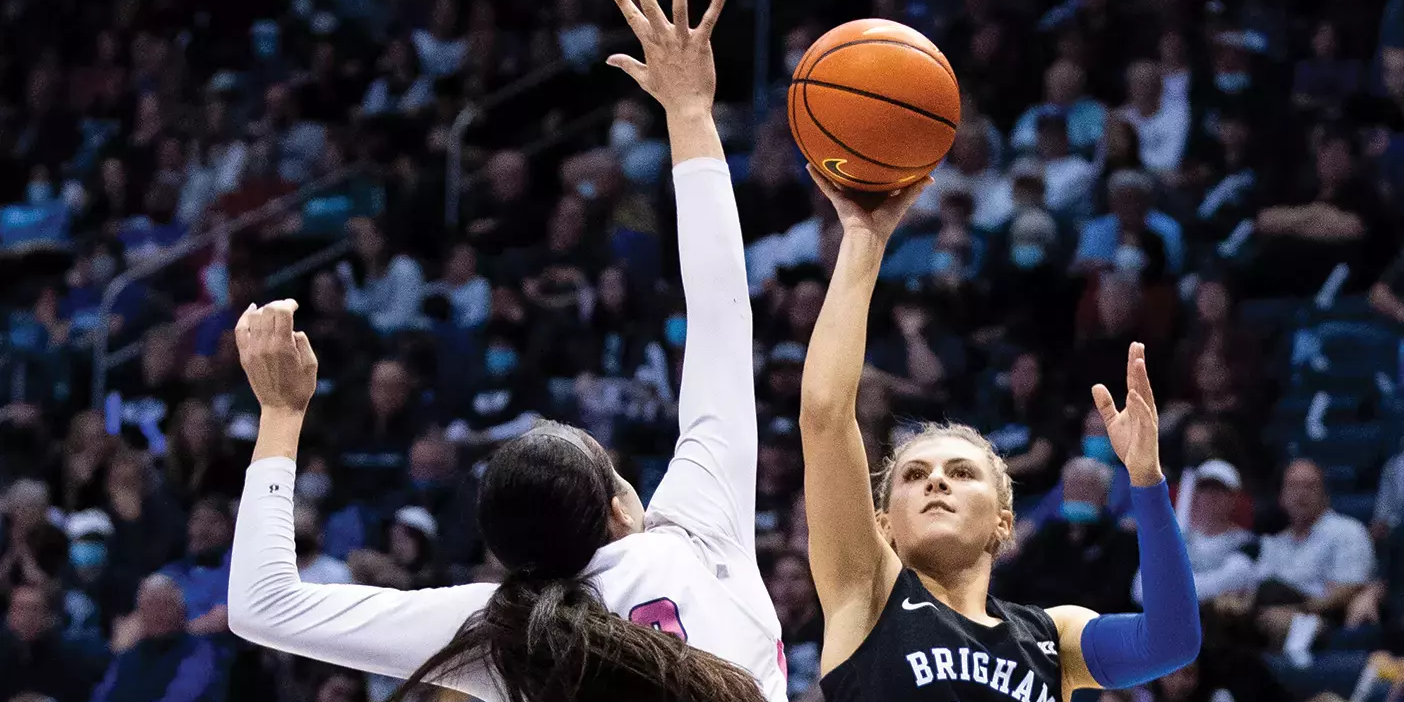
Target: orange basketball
pixel 874 105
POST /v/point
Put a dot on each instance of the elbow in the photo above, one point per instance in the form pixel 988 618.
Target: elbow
pixel 821 412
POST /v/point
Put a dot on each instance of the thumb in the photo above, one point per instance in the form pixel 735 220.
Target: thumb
pixel 1101 396
pixel 636 70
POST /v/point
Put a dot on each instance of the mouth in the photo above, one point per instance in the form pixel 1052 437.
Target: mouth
pixel 937 506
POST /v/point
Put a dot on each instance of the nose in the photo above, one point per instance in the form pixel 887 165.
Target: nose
pixel 938 483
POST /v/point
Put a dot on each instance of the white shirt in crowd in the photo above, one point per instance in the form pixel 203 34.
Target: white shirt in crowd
pixel 325 570
pixel 1163 135
pixel 1337 551
pixel 796 245
pixel 692 571
pixel 1218 562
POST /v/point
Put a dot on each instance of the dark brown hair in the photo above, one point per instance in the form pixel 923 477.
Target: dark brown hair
pixel 544 509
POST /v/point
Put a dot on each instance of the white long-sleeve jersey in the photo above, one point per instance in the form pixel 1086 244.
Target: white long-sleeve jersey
pixel 692 572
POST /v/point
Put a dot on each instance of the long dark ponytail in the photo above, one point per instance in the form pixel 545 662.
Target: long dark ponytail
pixel 544 509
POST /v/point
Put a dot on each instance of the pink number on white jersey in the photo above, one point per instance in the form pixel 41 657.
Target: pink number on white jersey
pixel 661 614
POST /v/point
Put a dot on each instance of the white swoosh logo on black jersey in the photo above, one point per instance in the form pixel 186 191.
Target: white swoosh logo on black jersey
pixel 911 606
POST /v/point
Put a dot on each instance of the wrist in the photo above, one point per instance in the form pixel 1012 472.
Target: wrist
pixel 1147 478
pixel 278 432
pixel 690 110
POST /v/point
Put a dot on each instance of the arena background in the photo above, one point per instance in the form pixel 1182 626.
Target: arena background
pixel 476 216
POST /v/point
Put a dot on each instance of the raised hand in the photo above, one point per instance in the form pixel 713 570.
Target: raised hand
pixel 876 214
pixel 1135 430
pixel 677 69
pixel 278 361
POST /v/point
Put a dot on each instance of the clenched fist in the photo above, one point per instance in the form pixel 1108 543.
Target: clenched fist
pixel 278 361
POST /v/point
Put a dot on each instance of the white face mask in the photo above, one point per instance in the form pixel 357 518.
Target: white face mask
pixel 623 134
pixel 1129 259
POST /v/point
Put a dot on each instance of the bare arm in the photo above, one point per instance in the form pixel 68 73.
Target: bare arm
pixel 853 566
pixel 1385 302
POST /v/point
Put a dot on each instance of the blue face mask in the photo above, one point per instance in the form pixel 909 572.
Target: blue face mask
pixel 501 361
pixel 1100 448
pixel 1075 512
pixel 942 262
pixel 1232 83
pixel 675 331
pixel 1026 256
pixel 87 554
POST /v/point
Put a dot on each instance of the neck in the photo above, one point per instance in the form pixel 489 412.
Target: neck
pixel 1214 527
pixel 964 590
pixel 1302 528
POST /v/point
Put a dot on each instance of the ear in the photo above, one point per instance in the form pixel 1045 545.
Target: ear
pixel 1004 530
pixel 884 527
pixel 621 523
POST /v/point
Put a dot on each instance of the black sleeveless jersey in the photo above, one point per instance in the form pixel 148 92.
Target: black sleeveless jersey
pixel 923 651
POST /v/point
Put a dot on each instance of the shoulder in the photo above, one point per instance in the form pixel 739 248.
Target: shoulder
pixel 1341 526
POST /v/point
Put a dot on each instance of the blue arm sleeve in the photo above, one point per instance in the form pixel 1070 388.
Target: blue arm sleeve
pixel 1124 650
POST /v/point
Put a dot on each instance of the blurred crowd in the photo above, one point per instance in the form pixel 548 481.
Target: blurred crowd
pixel 1221 180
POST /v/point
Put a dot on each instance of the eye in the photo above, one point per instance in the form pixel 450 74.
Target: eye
pixel 914 472
pixel 961 470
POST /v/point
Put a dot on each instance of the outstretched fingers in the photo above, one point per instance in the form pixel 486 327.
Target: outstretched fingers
pixel 636 19
pixel 1106 406
pixel 681 24
pixel 709 19
pixel 654 12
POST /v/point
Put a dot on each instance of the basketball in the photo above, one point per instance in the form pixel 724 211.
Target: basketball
pixel 874 105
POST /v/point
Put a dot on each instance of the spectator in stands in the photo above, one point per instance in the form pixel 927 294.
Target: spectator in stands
pixel 1326 79
pixel 920 357
pixel 379 429
pixel 1024 421
pixel 1334 221
pixel 1162 125
pixel 313 566
pixel 99 589
pixel 82 463
pixel 203 575
pixel 436 485
pixel 385 287
pixel 146 524
pixel 410 560
pixel 468 293
pixel 26 514
pixel 35 656
pixel 299 141
pixel 398 88
pixel 144 398
pixel 1085 534
pixel 1315 566
pixel 507 215
pixel 969 168
pixel 164 660
pixel 1135 239
pixel 1081 117
pixel 801 622
pixel 1218 547
pixel 198 462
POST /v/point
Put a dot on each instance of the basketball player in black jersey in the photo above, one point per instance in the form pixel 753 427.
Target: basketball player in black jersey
pixel 907 611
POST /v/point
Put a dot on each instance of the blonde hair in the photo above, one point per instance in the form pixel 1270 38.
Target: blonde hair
pixel 1004 485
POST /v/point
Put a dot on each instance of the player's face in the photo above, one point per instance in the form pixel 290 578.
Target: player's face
pixel 945 503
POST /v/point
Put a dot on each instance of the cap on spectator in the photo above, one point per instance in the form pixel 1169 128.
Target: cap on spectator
pixel 787 352
pixel 1244 39
pixel 1130 179
pixel 1220 472
pixel 1033 224
pixel 87 524
pixel 419 519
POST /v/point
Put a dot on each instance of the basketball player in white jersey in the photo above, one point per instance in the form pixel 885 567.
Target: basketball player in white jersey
pixel 600 594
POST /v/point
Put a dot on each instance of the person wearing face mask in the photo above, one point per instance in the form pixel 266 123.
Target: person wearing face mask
pixel 640 158
pixel 502 404
pixel 1135 238
pixel 99 587
pixel 1084 534
pixel 436 486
